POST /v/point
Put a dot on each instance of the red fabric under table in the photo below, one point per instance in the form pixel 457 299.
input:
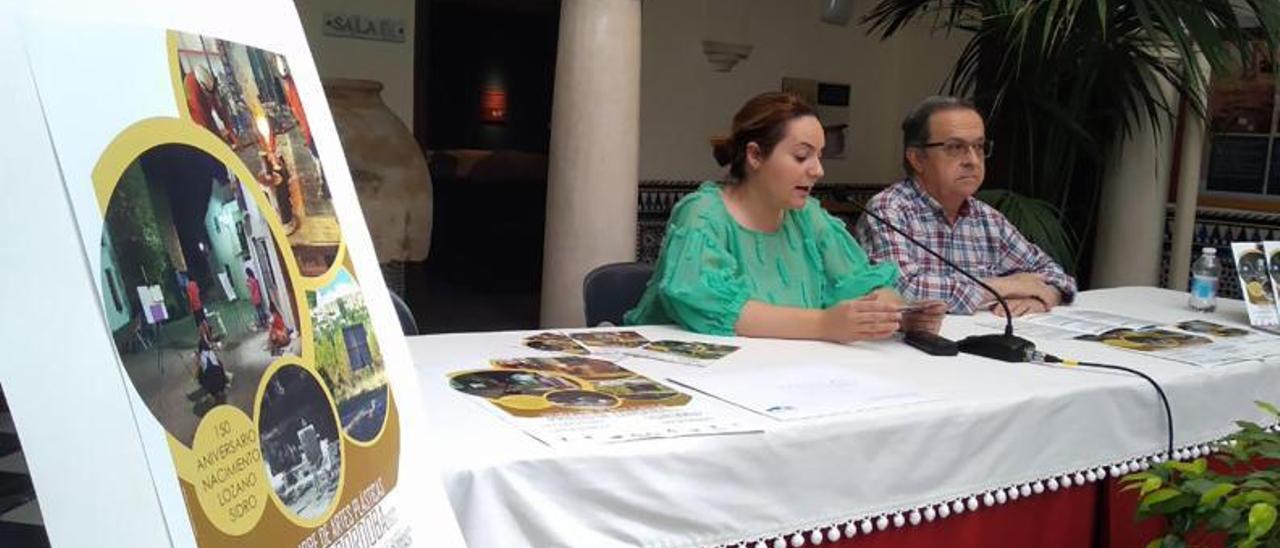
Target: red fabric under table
pixel 1095 515
pixel 1066 519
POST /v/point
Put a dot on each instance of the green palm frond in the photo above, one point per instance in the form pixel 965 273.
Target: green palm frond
pixel 1039 221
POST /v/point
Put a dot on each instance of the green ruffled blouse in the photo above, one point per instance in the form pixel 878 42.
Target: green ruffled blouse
pixel 710 266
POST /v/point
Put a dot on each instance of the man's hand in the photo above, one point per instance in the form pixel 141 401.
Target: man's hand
pixel 1020 306
pixel 1026 285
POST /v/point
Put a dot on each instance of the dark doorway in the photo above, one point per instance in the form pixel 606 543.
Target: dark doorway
pixel 485 78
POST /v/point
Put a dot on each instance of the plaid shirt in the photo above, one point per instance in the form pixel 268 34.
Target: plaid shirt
pixel 981 241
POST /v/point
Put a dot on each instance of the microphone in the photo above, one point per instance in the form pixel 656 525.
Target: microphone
pixel 1006 346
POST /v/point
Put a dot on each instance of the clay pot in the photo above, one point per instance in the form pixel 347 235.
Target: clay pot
pixel 388 169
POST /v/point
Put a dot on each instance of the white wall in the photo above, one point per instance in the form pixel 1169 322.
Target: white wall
pixel 388 62
pixel 683 102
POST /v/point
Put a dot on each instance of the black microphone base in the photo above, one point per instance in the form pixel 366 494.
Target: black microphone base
pixel 998 347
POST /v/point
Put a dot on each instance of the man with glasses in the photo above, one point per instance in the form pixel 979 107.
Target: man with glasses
pixel 945 151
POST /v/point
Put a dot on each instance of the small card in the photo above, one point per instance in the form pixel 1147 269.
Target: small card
pixel 1212 329
pixel 917 306
pixel 555 342
pixel 686 352
pixel 1147 340
pixel 610 339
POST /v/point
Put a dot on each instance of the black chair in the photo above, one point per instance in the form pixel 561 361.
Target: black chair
pixel 407 323
pixel 611 290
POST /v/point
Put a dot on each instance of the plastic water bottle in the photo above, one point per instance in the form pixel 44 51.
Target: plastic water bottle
pixel 1204 281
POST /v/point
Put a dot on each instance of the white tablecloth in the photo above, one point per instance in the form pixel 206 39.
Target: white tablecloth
pixel 995 426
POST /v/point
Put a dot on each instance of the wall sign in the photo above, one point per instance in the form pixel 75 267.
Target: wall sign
pixel 350 25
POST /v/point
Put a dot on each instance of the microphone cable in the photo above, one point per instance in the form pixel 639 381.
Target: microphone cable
pixel 1042 357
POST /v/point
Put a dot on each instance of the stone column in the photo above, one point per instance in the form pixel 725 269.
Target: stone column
pixel 595 146
pixel 1131 214
pixel 1184 217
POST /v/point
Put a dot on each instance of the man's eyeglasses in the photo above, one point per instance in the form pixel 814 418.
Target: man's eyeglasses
pixel 960 149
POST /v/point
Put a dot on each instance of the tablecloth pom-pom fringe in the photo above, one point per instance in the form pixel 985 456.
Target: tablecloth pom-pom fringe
pixel 994 497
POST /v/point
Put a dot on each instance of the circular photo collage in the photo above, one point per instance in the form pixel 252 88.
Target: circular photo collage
pixel 224 277
pixel 1274 267
pixel 532 387
pixel 1254 276
pixel 1149 340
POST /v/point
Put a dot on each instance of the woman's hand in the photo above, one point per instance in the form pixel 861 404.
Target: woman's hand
pixel 923 315
pixel 927 318
pixel 870 318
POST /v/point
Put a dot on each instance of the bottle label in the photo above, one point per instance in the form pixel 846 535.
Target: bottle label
pixel 1204 287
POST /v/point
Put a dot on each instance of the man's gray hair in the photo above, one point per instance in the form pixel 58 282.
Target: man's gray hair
pixel 915 127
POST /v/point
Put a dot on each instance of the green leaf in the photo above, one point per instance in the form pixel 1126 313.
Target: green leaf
pixel 1224 519
pixel 1249 426
pixel 1269 408
pixel 1261 517
pixel 1257 483
pixel 1212 496
pixel 1138 477
pixel 1237 501
pixel 1159 496
pixel 1190 469
pixel 1199 485
pixel 1039 221
pixel 1149 486
pixel 1175 506
pixel 1263 497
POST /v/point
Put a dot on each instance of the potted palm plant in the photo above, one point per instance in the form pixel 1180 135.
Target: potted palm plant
pixel 1063 82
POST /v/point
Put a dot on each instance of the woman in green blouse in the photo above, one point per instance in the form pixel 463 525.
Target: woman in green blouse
pixel 758 257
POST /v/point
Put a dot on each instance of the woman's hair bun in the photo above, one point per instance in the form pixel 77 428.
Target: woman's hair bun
pixel 722 149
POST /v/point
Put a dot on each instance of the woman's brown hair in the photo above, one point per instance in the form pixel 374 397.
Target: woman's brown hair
pixel 763 121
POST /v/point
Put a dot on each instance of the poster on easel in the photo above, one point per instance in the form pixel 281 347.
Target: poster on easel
pixel 261 355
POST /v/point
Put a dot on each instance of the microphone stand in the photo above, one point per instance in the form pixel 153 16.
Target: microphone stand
pixel 999 346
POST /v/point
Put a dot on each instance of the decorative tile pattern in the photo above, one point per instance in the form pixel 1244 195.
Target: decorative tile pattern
pixel 658 197
pixel 1219 228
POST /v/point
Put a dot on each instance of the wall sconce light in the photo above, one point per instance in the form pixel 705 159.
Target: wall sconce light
pixel 493 105
pixel 837 12
pixel 723 56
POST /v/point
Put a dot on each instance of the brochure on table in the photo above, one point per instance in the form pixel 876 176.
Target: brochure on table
pixel 592 400
pixel 238 300
pixel 1258 269
pixel 626 343
pixel 1192 341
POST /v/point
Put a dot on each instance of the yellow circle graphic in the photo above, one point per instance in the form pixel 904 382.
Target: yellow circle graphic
pixel 524 403
pixel 231 486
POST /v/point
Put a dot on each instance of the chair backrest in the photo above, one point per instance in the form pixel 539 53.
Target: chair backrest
pixel 611 290
pixel 407 322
